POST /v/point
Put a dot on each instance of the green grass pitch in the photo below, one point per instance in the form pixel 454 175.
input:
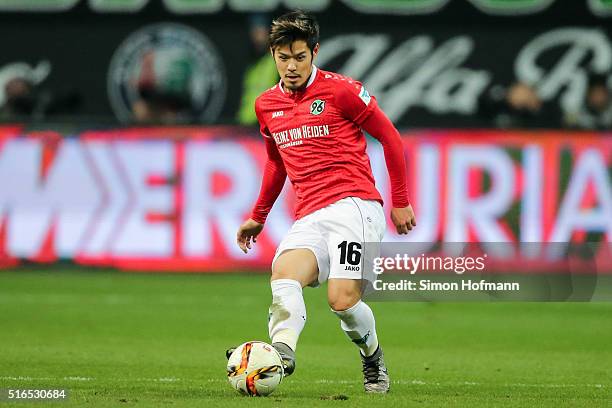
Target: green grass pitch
pixel 117 339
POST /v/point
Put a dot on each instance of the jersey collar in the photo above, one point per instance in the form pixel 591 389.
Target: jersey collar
pixel 311 79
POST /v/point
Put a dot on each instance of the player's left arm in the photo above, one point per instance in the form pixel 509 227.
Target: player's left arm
pixel 380 127
pixel 358 106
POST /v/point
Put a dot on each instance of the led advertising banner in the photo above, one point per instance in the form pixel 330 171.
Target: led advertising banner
pixel 405 7
pixel 172 199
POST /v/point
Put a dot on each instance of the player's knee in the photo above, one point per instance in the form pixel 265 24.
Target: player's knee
pixel 340 303
pixel 342 294
pixel 300 266
pixel 282 270
pixel 278 272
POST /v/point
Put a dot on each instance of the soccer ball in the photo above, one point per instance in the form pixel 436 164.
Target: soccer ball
pixel 255 368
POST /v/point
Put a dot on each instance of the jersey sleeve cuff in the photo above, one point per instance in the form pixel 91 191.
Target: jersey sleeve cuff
pixel 400 202
pixel 260 218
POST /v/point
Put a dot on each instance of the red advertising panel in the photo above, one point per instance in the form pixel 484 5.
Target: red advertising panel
pixel 172 199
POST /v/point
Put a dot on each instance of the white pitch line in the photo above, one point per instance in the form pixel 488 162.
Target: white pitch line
pixel 21 378
pixel 111 299
pixel 322 381
pixel 439 384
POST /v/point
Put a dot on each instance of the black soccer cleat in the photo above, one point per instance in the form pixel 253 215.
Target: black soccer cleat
pixel 287 356
pixel 375 375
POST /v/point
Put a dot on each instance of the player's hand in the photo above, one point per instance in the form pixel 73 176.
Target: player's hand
pixel 403 219
pixel 248 231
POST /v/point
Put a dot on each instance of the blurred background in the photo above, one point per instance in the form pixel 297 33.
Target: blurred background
pixel 130 140
pixel 432 63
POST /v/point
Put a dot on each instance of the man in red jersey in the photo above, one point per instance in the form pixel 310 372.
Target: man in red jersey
pixel 312 123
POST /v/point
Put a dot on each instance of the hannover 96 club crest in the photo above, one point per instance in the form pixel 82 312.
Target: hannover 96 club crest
pixel 317 107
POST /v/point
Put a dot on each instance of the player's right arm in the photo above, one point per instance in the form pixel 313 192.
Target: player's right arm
pixel 271 186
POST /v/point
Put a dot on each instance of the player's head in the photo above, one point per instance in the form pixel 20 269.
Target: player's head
pixel 294 42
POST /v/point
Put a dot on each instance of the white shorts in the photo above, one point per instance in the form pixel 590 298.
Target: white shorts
pixel 336 234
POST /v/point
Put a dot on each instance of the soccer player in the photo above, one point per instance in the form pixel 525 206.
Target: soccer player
pixel 312 123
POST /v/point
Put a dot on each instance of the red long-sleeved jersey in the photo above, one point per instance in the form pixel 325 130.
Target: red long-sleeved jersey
pixel 315 137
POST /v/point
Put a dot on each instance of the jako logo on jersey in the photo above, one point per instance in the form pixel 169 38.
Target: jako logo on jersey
pixel 317 107
pixel 365 96
pixel 173 61
pixel 277 114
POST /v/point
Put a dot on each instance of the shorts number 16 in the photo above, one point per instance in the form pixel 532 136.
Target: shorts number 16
pixel 351 252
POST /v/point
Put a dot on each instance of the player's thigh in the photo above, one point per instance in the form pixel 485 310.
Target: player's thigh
pixel 299 264
pixel 349 224
pixel 353 237
pixel 342 294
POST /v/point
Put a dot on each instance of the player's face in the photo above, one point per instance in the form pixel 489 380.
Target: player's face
pixel 294 63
